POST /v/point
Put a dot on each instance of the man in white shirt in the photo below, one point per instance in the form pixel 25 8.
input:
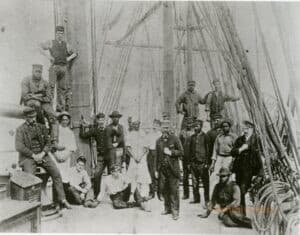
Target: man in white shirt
pixel 80 190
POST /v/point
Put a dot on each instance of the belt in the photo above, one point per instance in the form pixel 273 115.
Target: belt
pixel 224 155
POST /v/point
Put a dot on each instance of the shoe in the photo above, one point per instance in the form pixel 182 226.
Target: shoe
pixel 185 197
pixel 66 204
pixel 91 204
pixel 175 217
pixel 194 202
pixel 145 207
pixel 57 208
pixel 166 213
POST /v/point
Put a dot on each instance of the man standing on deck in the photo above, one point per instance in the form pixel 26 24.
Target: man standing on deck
pixel 35 93
pixel 168 152
pixel 222 151
pixel 215 101
pixel 103 161
pixel 188 104
pixel 60 57
pixel 115 141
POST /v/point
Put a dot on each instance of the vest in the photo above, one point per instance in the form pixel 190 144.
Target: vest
pixel 216 105
pixel 59 52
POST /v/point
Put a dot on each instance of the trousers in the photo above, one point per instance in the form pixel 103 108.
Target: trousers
pixel 59 76
pixel 73 195
pixel 233 218
pixel 101 165
pixel 200 171
pixel 169 187
pixel 29 165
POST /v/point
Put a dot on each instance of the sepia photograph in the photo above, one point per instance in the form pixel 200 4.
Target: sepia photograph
pixel 132 117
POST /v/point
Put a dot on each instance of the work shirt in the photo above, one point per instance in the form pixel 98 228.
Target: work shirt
pixel 215 103
pixel 31 86
pixel 58 50
pixel 112 186
pixel 80 179
pixel 223 145
pixel 225 194
pixel 98 134
pixel 190 103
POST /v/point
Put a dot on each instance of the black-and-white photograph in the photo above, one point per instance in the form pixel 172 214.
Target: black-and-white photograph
pixel 134 117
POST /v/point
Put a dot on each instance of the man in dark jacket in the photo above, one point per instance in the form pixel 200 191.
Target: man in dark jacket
pixel 33 144
pixel 211 137
pixel 169 150
pixel 247 162
pixel 115 141
pixel 199 162
pixel 97 132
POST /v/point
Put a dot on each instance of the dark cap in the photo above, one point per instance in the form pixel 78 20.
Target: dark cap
pixel 81 159
pixel 115 114
pixel 37 67
pixel 224 172
pixel 64 113
pixel 248 123
pixel 192 82
pixel 100 115
pixel 59 29
pixel 228 121
pixel 29 112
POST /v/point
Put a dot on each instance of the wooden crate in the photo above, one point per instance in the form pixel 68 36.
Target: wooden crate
pixel 25 187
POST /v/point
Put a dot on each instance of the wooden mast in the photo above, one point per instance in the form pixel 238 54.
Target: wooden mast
pixel 189 71
pixel 168 72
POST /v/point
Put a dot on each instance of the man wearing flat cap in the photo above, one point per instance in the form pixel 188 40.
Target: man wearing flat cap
pixel 35 92
pixel 222 151
pixel 215 101
pixel 247 161
pixel 188 103
pixel 168 151
pixel 33 144
pixel 115 141
pixel 227 194
pixel 96 131
pixel 60 57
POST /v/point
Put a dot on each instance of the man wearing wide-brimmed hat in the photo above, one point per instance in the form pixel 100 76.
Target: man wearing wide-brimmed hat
pixel 222 151
pixel 169 150
pixel 215 101
pixel 60 57
pixel 33 144
pixel 115 141
pixel 227 194
pixel 247 161
pixel 96 131
pixel 188 103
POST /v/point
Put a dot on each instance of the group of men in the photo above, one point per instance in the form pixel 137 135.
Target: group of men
pixel 207 156
pixel 212 157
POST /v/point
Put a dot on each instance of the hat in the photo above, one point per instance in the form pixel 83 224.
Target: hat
pixel 82 159
pixel 224 171
pixel 37 66
pixel 248 123
pixel 192 82
pixel 59 29
pixel 100 115
pixel 115 168
pixel 226 121
pixel 29 112
pixel 64 113
pixel 115 114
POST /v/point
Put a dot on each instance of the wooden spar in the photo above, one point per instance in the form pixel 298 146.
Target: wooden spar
pixel 79 37
pixel 168 73
pixel 189 71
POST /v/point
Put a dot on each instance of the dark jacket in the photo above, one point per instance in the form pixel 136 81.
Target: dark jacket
pixel 114 136
pixel 249 160
pixel 23 140
pixel 96 133
pixel 199 148
pixel 174 144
